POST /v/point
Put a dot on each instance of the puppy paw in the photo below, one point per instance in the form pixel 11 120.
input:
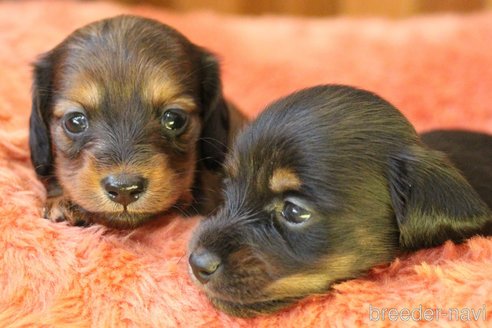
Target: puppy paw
pixel 59 209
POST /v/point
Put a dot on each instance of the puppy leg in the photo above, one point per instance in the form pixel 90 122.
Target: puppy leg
pixel 58 208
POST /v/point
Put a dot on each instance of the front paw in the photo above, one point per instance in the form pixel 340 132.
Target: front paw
pixel 59 209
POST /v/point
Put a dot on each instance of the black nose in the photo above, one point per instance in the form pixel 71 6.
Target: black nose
pixel 204 264
pixel 123 188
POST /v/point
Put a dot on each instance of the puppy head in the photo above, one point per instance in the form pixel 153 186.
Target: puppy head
pixel 325 184
pixel 122 110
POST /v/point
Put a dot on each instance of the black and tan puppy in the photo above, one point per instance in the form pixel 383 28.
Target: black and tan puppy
pixel 325 184
pixel 128 120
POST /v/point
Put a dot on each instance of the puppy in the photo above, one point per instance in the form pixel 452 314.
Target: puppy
pixel 325 184
pixel 128 120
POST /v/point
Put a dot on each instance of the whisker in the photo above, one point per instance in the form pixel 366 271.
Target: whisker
pixel 209 140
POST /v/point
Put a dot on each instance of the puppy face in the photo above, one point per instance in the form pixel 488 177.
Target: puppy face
pixel 119 111
pixel 325 184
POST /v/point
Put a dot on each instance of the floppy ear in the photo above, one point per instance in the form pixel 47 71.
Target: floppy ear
pixel 215 114
pixel 39 133
pixel 432 201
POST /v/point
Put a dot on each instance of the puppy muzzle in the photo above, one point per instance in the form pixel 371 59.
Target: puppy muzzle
pixel 124 188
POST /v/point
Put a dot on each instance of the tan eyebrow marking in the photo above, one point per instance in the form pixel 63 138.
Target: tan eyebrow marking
pixel 160 92
pixel 284 179
pixel 63 106
pixel 157 90
pixel 88 93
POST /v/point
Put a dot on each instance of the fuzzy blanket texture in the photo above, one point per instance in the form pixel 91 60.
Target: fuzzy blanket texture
pixel 436 69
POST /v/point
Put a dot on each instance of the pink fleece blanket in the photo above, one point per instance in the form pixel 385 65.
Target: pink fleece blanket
pixel 436 69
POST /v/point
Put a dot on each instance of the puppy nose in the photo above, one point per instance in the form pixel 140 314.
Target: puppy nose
pixel 204 264
pixel 124 189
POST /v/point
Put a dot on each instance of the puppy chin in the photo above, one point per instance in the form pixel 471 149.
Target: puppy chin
pixel 131 218
pixel 249 310
pixel 99 209
pixel 243 307
pixel 123 220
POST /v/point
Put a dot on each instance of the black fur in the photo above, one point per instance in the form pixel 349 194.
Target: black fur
pixel 39 133
pixel 471 153
pixel 214 138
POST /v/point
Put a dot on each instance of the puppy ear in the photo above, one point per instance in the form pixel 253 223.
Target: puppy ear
pixel 215 114
pixel 39 133
pixel 432 201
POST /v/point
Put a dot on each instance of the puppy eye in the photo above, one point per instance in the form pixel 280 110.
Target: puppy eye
pixel 295 214
pixel 174 120
pixel 75 123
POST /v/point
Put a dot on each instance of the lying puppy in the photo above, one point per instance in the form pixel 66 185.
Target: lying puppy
pixel 128 120
pixel 325 184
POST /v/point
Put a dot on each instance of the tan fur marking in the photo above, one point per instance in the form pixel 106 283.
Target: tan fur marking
pixel 82 93
pixel 365 239
pixel 87 93
pixel 231 167
pixel 160 92
pixel 333 268
pixel 85 185
pixel 284 179
pixel 64 106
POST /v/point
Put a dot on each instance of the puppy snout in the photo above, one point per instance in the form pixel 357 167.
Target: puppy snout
pixel 204 264
pixel 124 189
